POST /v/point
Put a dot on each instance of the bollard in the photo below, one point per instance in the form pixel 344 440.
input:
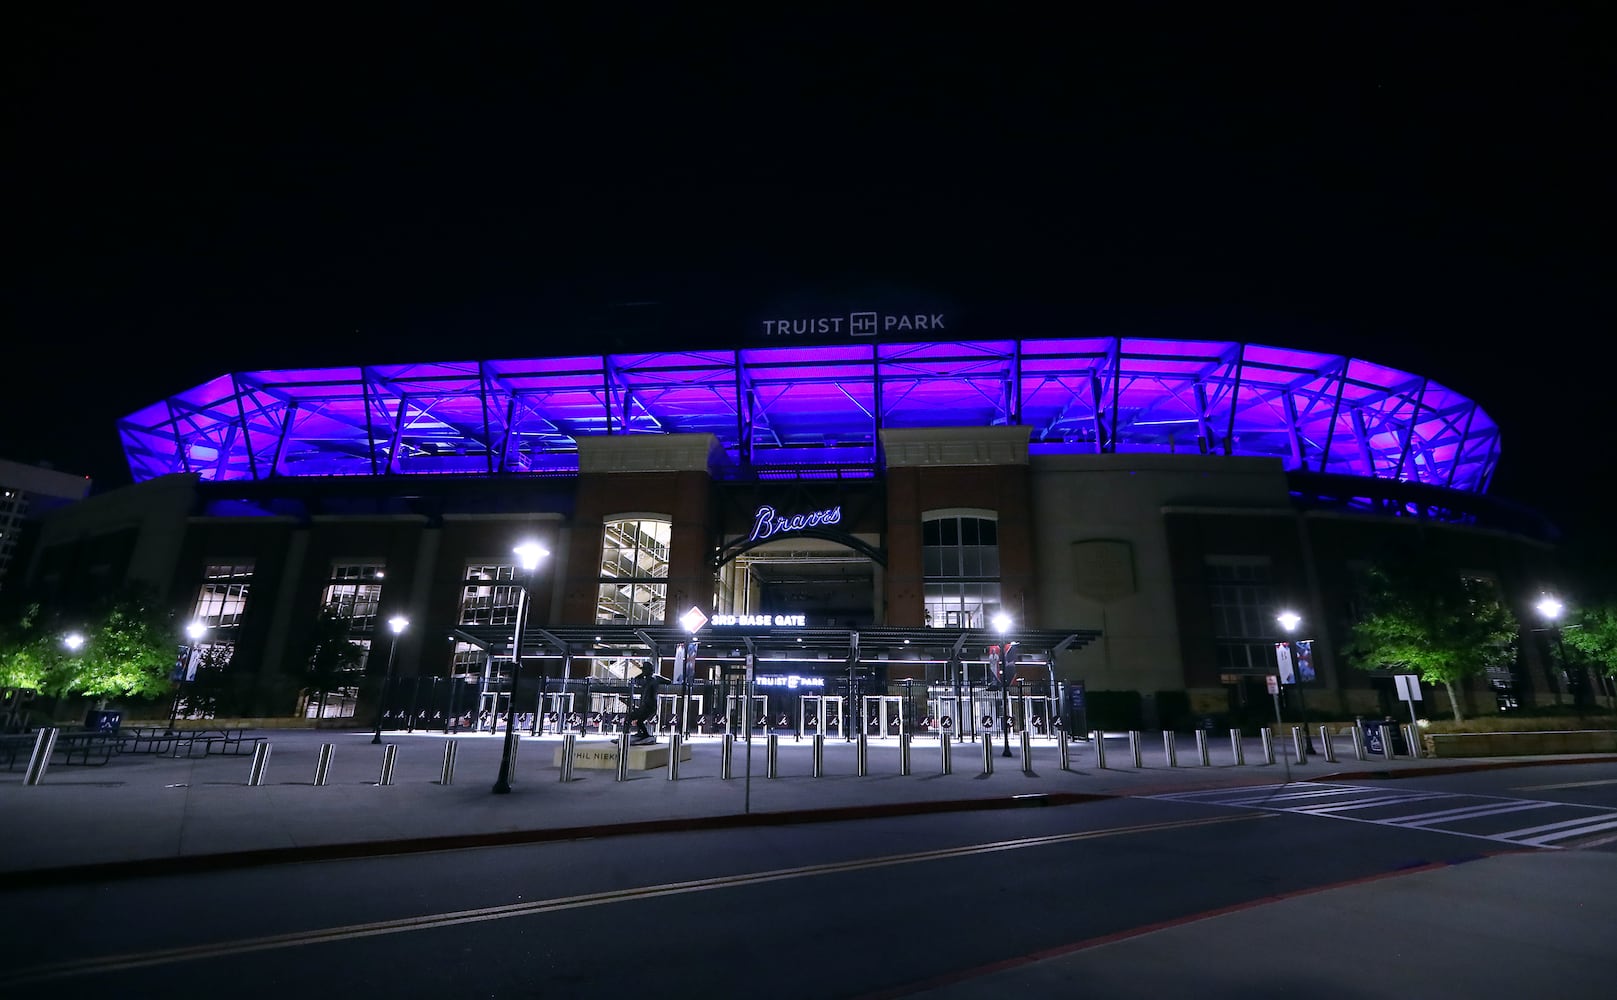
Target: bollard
pixel 569 743
pixel 322 767
pixel 1066 752
pixel 1201 748
pixel 1387 742
pixel 904 753
pixel 1358 741
pixel 1100 749
pixel 1267 735
pixel 988 752
pixel 1237 747
pixel 1170 751
pixel 675 743
pixel 861 759
pixel 818 754
pixel 1027 752
pixel 772 755
pixel 623 755
pixel 1325 741
pixel 255 774
pixel 1134 747
pixel 945 755
pixel 1298 746
pixel 390 755
pixel 1410 738
pixel 40 759
pixel 727 753
pixel 447 775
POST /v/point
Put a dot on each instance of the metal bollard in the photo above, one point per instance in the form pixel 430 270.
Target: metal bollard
pixel 1066 751
pixel 447 775
pixel 1388 744
pixel 1201 748
pixel 1134 748
pixel 390 756
pixel 1100 749
pixel 1027 752
pixel 569 743
pixel 772 756
pixel 1237 747
pixel 988 752
pixel 255 774
pixel 1358 742
pixel 904 753
pixel 819 756
pixel 1325 741
pixel 40 759
pixel 623 756
pixel 861 756
pixel 727 754
pixel 1267 735
pixel 1170 749
pixel 676 742
pixel 1410 739
pixel 322 767
pixel 945 755
pixel 1298 745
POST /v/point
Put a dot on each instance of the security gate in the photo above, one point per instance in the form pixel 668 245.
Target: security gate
pixel 819 713
pixel 884 715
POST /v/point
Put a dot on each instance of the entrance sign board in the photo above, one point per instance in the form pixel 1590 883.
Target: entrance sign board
pixel 790 681
pixel 777 621
pixel 767 523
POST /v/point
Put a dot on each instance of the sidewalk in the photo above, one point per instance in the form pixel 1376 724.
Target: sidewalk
pixel 144 814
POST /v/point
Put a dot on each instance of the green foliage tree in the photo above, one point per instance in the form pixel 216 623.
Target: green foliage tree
pixel 1424 618
pixel 333 657
pixel 1592 634
pixel 128 647
pixel 25 651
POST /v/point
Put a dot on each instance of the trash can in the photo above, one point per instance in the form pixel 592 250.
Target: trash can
pixel 103 720
pixel 1378 730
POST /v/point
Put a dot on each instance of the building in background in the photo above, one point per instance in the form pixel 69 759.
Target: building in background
pixel 27 493
pixel 848 504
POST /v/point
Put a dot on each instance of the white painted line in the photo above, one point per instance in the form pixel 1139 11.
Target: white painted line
pixel 1609 824
pixel 1467 812
pixel 1564 784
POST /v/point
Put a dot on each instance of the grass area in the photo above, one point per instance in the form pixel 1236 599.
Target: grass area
pixel 1536 723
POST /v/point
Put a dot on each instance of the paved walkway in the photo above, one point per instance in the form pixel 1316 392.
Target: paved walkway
pixel 143 813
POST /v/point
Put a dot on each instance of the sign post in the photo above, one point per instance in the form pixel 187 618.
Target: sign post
pixel 1409 693
pixel 1274 690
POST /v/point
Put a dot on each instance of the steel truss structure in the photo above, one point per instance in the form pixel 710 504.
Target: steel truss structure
pixel 818 411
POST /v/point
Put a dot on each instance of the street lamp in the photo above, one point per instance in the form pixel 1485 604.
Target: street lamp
pixel 182 667
pixel 1551 608
pixel 528 555
pixel 1002 624
pixel 397 623
pixel 73 641
pixel 1289 620
pixel 685 665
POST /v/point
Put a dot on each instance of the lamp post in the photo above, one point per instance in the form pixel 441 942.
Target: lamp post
pixel 1002 623
pixel 397 624
pixel 182 667
pixel 1551 608
pixel 685 662
pixel 1289 620
pixel 528 555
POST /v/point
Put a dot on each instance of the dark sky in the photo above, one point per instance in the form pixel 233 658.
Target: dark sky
pixel 193 193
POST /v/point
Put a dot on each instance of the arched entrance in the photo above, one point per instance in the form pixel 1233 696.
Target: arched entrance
pixel 834 581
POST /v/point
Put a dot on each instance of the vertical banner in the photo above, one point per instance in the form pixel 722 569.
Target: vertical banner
pixel 995 664
pixel 1305 659
pixel 679 662
pixel 181 663
pixel 1283 657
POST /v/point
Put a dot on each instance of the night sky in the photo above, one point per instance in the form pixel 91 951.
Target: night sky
pixel 194 193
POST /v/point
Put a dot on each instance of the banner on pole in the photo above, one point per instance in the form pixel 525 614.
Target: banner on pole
pixel 1305 659
pixel 1283 657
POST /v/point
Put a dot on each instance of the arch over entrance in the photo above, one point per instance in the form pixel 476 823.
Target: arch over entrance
pixel 832 579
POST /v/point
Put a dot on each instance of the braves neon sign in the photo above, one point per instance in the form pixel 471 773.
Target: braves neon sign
pixel 767 523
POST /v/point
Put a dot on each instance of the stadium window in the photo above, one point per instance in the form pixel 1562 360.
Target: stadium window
pixel 960 568
pixel 1240 594
pixel 633 584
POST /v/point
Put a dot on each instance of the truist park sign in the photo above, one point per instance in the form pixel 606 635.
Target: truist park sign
pixel 855 324
pixel 767 524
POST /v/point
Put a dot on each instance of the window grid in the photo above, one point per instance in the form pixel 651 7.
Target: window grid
pixel 634 564
pixel 354 592
pixel 1242 604
pixel 490 595
pixel 960 566
pixel 222 598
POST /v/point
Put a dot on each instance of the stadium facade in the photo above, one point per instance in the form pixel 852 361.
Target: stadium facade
pixel 847 504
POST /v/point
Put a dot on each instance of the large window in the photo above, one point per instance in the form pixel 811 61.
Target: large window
pixel 634 572
pixel 353 591
pixel 490 595
pixel 1241 598
pixel 960 562
pixel 222 599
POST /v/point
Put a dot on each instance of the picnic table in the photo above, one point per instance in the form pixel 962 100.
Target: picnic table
pixel 90 746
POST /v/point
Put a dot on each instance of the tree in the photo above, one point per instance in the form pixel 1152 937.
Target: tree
pixel 1427 619
pixel 25 652
pixel 128 647
pixel 333 658
pixel 1593 635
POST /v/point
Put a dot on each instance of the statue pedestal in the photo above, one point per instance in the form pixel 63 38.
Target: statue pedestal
pixel 603 755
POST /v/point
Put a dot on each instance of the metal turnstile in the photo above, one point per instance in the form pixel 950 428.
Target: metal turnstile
pixel 1033 713
pixel 819 713
pixel 491 710
pixel 668 708
pixel 884 716
pixel 944 713
pixel 558 706
pixel 732 713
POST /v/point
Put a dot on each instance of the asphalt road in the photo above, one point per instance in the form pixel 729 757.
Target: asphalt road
pixel 1482 884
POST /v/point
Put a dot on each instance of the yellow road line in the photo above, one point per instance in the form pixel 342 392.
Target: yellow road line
pixel 430 921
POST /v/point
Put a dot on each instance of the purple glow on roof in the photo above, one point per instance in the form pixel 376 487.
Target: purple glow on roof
pixel 817 411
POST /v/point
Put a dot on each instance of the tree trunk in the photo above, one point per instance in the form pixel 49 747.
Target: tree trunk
pixel 1454 701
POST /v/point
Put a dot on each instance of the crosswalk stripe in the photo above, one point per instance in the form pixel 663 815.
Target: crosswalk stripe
pixel 1468 812
pixel 1389 800
pixel 1570 834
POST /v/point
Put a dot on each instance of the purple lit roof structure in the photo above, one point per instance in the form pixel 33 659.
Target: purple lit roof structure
pixel 817 411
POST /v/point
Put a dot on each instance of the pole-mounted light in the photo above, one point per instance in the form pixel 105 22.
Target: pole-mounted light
pixel 528 554
pixel 398 623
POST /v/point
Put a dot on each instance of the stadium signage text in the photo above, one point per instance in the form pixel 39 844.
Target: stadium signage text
pixel 783 621
pixel 788 681
pixel 768 524
pixel 855 324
